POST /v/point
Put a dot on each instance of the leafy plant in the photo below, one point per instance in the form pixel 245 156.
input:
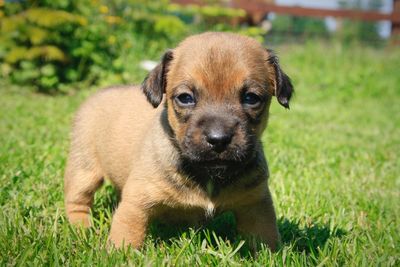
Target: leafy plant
pixel 47 45
pixel 31 48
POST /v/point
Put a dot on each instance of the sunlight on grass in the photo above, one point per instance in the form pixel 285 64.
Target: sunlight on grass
pixel 333 158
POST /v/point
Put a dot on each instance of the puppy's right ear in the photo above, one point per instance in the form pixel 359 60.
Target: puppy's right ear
pixel 155 83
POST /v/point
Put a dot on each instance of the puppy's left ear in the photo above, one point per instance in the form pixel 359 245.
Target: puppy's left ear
pixel 283 85
pixel 155 83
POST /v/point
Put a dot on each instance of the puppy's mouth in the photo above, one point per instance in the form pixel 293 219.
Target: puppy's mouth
pixel 221 172
pixel 216 164
pixel 225 165
pixel 210 158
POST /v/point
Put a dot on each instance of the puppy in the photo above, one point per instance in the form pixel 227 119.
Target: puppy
pixel 186 144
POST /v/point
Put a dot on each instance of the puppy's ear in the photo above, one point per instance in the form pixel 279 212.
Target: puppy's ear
pixel 283 85
pixel 154 84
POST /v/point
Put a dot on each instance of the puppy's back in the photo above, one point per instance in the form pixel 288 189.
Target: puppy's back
pixel 109 129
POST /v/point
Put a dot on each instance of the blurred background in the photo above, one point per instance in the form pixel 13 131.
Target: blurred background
pixel 54 46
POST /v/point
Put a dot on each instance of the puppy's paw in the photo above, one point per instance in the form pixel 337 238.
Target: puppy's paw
pixel 79 219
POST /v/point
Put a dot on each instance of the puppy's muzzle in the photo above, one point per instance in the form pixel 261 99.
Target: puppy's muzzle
pixel 218 132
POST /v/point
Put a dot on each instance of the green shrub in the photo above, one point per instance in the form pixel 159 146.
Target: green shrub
pixel 46 46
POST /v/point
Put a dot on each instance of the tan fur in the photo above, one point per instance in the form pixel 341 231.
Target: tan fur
pixel 118 135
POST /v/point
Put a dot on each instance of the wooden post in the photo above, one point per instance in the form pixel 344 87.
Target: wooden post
pixel 396 24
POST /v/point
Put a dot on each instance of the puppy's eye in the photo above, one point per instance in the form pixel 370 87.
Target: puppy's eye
pixel 251 100
pixel 185 99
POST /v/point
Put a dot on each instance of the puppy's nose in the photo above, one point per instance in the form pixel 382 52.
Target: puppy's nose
pixel 218 138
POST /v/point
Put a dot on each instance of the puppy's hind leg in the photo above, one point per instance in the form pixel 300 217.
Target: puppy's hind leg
pixel 80 183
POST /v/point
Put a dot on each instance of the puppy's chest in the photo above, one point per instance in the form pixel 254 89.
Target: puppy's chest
pixel 214 197
pixel 196 197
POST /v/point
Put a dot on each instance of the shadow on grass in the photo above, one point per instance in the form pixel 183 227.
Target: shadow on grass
pixel 308 238
pixel 301 238
pixel 223 226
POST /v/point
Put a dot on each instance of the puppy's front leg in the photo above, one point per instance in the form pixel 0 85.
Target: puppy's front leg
pixel 259 220
pixel 129 224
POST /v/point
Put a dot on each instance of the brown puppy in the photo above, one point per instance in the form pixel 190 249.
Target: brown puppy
pixel 193 155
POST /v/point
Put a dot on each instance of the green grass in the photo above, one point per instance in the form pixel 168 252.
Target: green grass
pixel 334 163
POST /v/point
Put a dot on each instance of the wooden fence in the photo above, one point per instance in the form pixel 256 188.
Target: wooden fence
pixel 257 10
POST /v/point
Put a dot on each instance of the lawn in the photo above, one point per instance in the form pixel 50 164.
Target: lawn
pixel 333 157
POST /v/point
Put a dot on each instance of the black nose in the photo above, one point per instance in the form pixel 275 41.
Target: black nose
pixel 218 138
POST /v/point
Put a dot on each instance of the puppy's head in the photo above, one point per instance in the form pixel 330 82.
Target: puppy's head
pixel 218 88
